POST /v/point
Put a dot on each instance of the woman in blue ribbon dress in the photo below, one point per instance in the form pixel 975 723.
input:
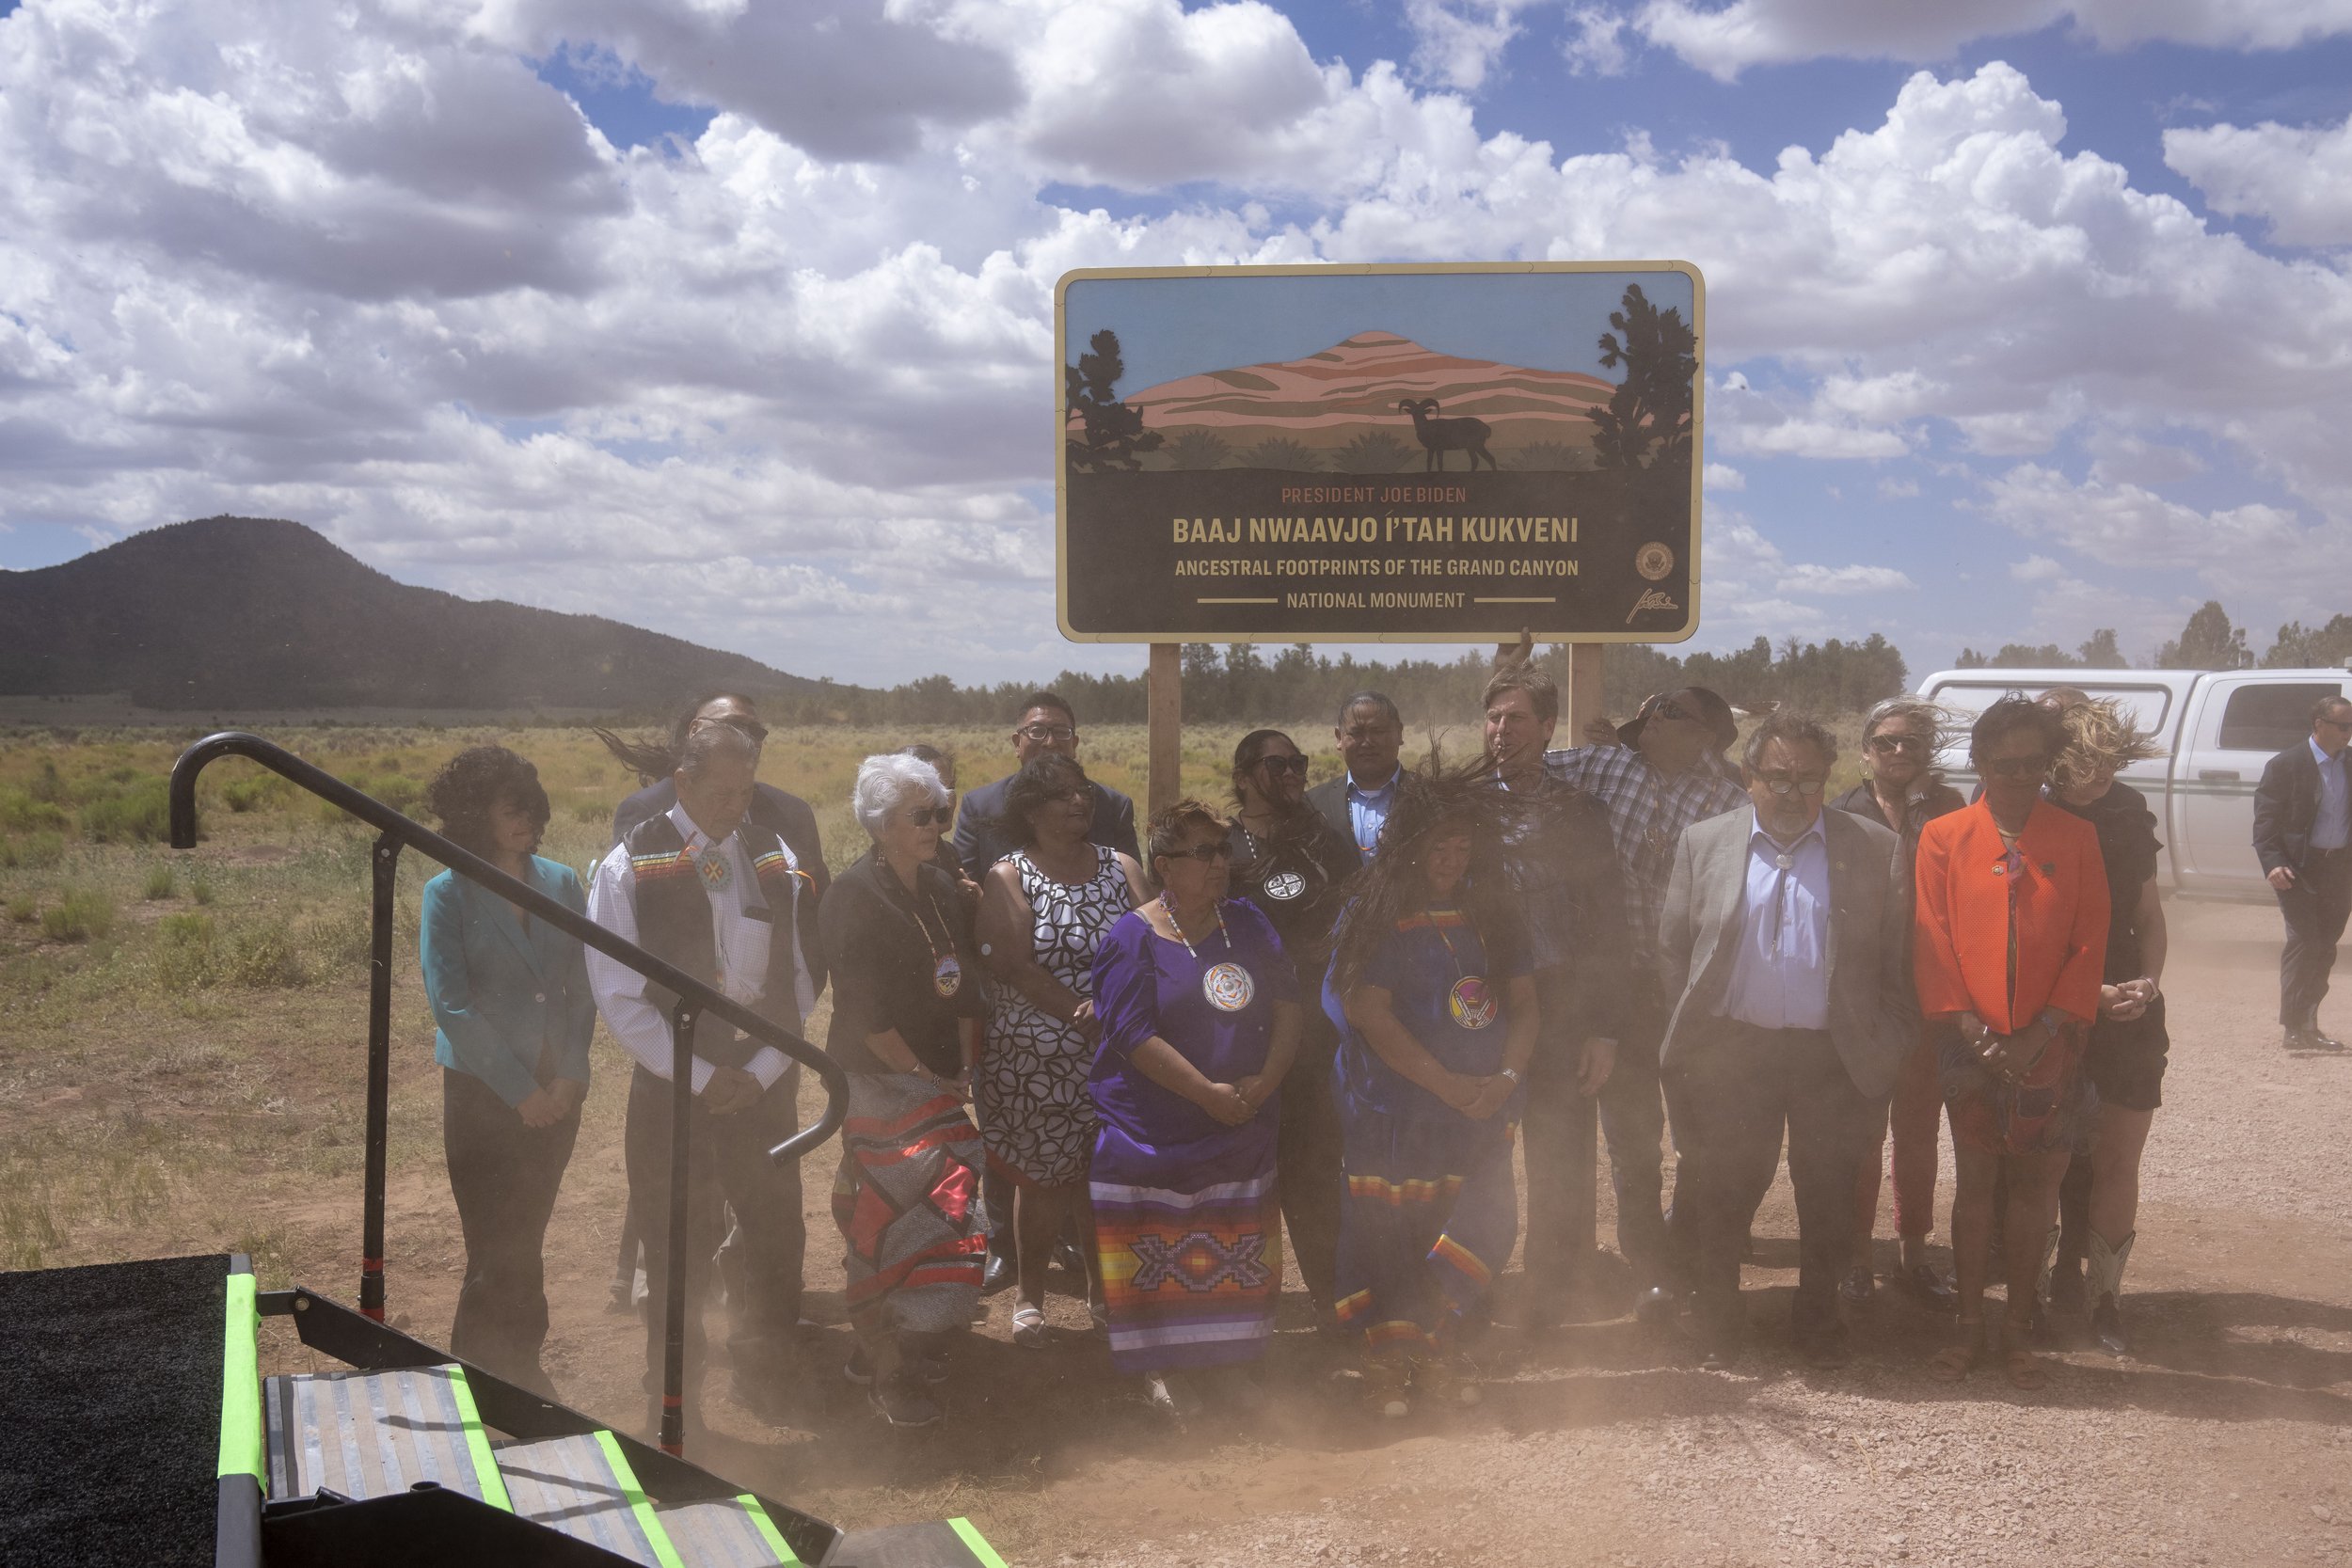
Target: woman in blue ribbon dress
pixel 1200 1019
pixel 1431 993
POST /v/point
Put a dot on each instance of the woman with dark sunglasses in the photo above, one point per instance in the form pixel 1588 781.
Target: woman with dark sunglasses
pixel 2009 941
pixel 1287 860
pixel 1903 793
pixel 906 1012
pixel 1199 1020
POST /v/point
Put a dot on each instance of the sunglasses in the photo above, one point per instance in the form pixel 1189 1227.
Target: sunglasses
pixel 1207 854
pixel 1787 783
pixel 1279 766
pixel 2336 723
pixel 922 817
pixel 1672 714
pixel 1042 733
pixel 751 727
pixel 2018 768
pixel 1898 743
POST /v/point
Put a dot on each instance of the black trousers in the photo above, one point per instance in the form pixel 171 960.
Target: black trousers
pixel 1562 1128
pixel 504 1177
pixel 1307 1156
pixel 1633 1114
pixel 2315 908
pixel 727 1157
pixel 1735 1094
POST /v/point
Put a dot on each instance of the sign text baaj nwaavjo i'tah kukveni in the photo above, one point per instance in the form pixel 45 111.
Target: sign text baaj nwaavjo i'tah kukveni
pixel 1410 453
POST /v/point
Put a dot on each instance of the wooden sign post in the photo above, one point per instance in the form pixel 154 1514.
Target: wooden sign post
pixel 1163 714
pixel 1585 702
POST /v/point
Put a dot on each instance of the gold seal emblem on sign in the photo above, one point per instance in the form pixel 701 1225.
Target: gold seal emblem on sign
pixel 1654 561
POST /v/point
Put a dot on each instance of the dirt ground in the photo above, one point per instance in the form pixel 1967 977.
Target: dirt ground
pixel 2227 1440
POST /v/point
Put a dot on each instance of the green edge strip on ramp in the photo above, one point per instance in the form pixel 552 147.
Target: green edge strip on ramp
pixel 768 1531
pixel 973 1543
pixel 486 1465
pixel 241 1383
pixel 635 1496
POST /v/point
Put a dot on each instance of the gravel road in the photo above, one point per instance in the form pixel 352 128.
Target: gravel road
pixel 2228 1440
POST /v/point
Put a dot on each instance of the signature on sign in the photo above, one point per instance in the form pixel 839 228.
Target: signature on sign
pixel 1654 599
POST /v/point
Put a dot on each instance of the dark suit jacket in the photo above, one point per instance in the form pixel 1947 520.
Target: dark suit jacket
pixel 786 815
pixel 1329 797
pixel 2284 804
pixel 1873 1020
pixel 982 838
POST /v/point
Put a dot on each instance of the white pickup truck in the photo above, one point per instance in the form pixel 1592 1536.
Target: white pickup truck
pixel 2218 727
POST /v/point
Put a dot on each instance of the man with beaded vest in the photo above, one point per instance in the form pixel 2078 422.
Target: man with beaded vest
pixel 705 889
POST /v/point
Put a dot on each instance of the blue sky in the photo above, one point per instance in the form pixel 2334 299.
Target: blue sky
pixel 2025 317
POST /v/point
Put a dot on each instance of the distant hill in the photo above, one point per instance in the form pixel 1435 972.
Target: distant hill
pixel 254 612
pixel 1341 405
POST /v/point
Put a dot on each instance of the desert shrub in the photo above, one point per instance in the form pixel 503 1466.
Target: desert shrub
pixel 330 942
pixel 1373 453
pixel 187 952
pixel 200 889
pixel 136 813
pixel 22 811
pixel 247 795
pixel 47 787
pixel 264 956
pixel 162 882
pixel 1280 452
pixel 398 791
pixel 1199 449
pixel 23 909
pixel 79 915
pixel 591 811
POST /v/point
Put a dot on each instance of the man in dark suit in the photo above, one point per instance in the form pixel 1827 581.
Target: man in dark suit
pixel 1370 734
pixel 1046 725
pixel 1780 948
pixel 2303 835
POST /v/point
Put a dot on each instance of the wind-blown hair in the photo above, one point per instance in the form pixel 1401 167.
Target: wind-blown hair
pixel 655 759
pixel 2102 737
pixel 1433 802
pixel 886 783
pixel 1041 780
pixel 2015 711
pixel 1917 713
pixel 477 779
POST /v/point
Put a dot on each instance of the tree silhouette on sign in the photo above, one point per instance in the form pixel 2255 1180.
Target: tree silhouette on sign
pixel 1651 406
pixel 1113 434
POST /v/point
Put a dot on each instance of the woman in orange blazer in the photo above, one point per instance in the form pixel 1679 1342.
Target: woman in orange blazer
pixel 2011 933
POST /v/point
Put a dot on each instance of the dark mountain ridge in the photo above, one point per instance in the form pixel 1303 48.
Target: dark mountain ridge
pixel 259 612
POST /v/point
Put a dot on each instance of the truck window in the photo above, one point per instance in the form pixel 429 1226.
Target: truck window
pixel 2271 717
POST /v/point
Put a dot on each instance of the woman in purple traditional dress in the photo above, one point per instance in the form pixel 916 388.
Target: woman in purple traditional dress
pixel 1200 1018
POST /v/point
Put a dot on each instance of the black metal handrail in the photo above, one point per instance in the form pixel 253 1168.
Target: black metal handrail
pixel 396 831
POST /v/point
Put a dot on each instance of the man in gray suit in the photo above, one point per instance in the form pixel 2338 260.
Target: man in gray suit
pixel 1780 945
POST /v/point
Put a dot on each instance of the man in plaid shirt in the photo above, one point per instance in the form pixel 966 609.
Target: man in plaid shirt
pixel 1667 773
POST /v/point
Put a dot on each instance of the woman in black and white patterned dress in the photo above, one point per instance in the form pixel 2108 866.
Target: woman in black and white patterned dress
pixel 1044 910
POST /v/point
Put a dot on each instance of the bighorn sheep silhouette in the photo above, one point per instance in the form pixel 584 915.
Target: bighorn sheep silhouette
pixel 1440 436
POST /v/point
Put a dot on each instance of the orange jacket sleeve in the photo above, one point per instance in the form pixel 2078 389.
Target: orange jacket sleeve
pixel 2077 990
pixel 1935 951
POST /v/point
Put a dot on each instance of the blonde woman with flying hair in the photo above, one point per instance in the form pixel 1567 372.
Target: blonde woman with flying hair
pixel 2099 1200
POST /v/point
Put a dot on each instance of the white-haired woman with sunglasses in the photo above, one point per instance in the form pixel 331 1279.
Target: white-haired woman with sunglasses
pixel 1903 793
pixel 906 1011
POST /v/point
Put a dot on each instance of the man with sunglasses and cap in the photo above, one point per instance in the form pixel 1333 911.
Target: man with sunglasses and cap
pixel 1666 773
pixel 1046 725
pixel 1792 1011
pixel 2303 836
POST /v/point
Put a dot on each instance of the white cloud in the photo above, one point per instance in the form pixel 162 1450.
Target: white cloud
pixel 1722 476
pixel 2035 568
pixel 1597 45
pixel 2298 179
pixel 1898 489
pixel 1456 44
pixel 1844 580
pixel 1725 40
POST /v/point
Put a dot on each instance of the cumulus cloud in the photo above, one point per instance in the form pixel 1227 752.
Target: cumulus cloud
pixel 1458 42
pixel 1725 40
pixel 2296 179
pixel 360 266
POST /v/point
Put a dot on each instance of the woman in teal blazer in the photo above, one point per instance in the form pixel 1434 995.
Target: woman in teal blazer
pixel 511 1016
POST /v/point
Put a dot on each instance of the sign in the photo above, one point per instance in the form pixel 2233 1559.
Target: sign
pixel 1445 453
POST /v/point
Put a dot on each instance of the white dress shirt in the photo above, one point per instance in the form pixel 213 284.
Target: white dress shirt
pixel 1780 975
pixel 741 944
pixel 2331 825
pixel 1368 811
